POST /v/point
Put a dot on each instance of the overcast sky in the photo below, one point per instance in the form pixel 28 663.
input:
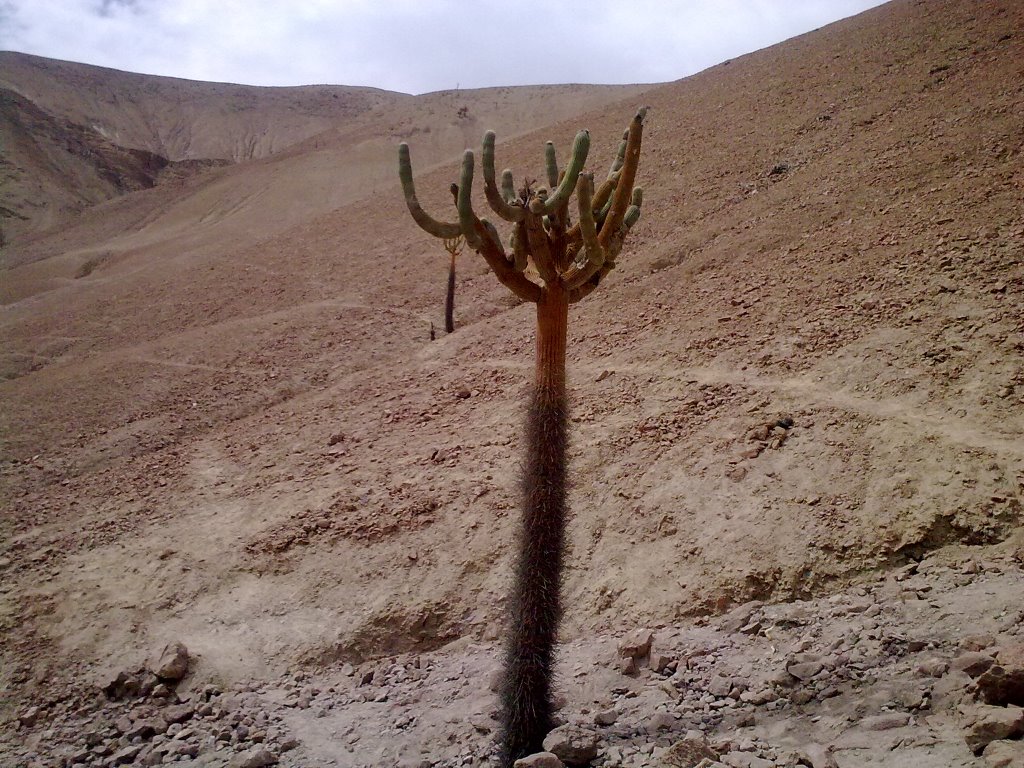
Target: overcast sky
pixel 412 46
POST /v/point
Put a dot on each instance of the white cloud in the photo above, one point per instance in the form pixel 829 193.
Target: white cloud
pixel 409 45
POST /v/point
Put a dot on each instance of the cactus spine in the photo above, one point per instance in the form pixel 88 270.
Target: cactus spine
pixel 571 262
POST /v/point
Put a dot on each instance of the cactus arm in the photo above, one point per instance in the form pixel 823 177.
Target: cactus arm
pixel 580 148
pixel 604 192
pixel 426 222
pixel 508 187
pixel 499 200
pixel 581 272
pixel 624 189
pixel 471 226
pixel 520 256
pixel 620 155
pixel 551 164
pixel 538 243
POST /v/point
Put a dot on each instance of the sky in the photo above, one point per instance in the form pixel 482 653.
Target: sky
pixel 411 46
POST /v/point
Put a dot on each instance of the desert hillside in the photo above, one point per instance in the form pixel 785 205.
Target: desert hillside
pixel 76 135
pixel 226 424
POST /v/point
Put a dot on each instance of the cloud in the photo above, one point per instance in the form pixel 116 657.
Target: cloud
pixel 409 45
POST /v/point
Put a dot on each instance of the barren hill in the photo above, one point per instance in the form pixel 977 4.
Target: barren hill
pixel 225 421
pixel 74 135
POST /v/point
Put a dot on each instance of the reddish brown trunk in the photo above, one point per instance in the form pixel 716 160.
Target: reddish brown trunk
pixel 535 607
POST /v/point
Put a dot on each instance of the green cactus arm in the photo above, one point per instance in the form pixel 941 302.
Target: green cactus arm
pixel 538 243
pixel 551 164
pixel 604 192
pixel 580 148
pixel 426 222
pixel 594 256
pixel 624 189
pixel 583 288
pixel 468 221
pixel 508 186
pixel 517 241
pixel 620 155
pixel 499 200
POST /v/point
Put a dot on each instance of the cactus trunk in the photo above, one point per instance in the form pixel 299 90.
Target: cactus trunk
pixel 535 606
pixel 449 300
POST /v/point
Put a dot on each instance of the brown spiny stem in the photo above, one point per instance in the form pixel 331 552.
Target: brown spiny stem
pixel 535 608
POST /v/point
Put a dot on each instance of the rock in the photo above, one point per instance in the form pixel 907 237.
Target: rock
pixel 745 760
pixel 606 716
pixel 720 686
pixel 1004 754
pixel 126 756
pixel 177 713
pixel 818 756
pixel 257 757
pixel 992 724
pixel 950 690
pixel 572 745
pixel 637 644
pixel 29 717
pixel 627 666
pixel 127 684
pixel 539 760
pixel 660 662
pixel 660 721
pixel 972 662
pixel 173 663
pixel 1003 682
pixel 805 670
pixel 885 722
pixel 932 668
pixel 689 752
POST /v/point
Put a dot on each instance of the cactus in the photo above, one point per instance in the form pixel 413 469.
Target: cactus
pixel 454 248
pixel 571 260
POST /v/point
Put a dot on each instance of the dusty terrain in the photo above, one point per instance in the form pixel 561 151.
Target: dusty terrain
pixel 225 424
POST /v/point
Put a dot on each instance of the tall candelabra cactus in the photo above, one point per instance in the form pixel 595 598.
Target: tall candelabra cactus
pixel 571 260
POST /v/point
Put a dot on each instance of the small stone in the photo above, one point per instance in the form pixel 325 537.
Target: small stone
pixel 257 757
pixel 173 663
pixel 690 752
pixel 885 722
pixel 539 760
pixel 1004 754
pixel 637 644
pixel 29 717
pixel 818 756
pixel 740 616
pixel 126 756
pixel 660 721
pixel 933 667
pixel 177 713
pixel 659 662
pixel 972 662
pixel 1003 682
pixel 993 724
pixel 745 760
pixel 606 717
pixel 627 666
pixel 805 670
pixel 572 745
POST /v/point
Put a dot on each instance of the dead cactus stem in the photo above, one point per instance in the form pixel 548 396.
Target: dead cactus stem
pixel 571 261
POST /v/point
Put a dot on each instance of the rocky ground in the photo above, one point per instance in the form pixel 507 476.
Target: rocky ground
pixel 922 667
